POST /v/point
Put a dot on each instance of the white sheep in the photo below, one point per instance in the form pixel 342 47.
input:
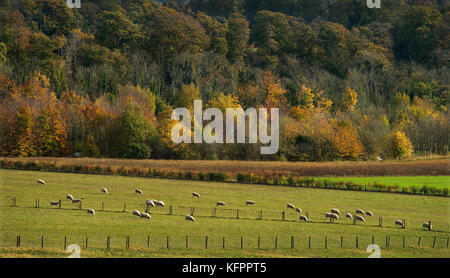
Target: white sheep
pixel 104 190
pixel 304 218
pixel 427 225
pixel 290 206
pixel 91 211
pixel 335 210
pixel 76 201
pixel 136 212
pixel 138 191
pixel 399 222
pixel 359 218
pixel 298 210
pixel 190 218
pixel 54 203
pixel 360 211
pixel 250 202
pixel 328 214
pixel 195 194
pixel 159 203
pixel 220 203
pixel 69 196
pixel 349 215
pixel 369 213
pixel 150 203
pixel 145 215
pixel 332 216
pixel 41 181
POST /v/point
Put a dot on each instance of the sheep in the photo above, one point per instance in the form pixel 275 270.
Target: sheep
pixel 150 203
pixel 104 190
pixel 190 218
pixel 220 203
pixel 145 215
pixel 399 222
pixel 69 196
pixel 359 218
pixel 360 211
pixel 427 225
pixel 76 201
pixel 39 181
pixel 159 203
pixel 328 214
pixel 54 203
pixel 369 213
pixel 250 202
pixel 136 212
pixel 298 210
pixel 195 194
pixel 138 191
pixel 91 211
pixel 304 218
pixel 332 216
pixel 335 210
pixel 349 215
pixel 290 206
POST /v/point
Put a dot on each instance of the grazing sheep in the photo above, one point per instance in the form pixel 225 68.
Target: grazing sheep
pixel 150 203
pixel 335 210
pixel 54 203
pixel 76 201
pixel 399 222
pixel 359 218
pixel 332 216
pixel 41 181
pixel 104 190
pixel 195 194
pixel 190 218
pixel 427 225
pixel 369 213
pixel 250 202
pixel 136 212
pixel 145 215
pixel 299 210
pixel 69 196
pixel 220 203
pixel 304 218
pixel 91 211
pixel 138 191
pixel 360 211
pixel 328 214
pixel 349 216
pixel 290 206
pixel 159 203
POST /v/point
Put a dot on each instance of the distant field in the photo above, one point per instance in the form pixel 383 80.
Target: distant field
pixel 435 181
pixel 435 167
pixel 54 224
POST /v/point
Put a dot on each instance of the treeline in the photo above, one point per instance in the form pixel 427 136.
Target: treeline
pixel 351 82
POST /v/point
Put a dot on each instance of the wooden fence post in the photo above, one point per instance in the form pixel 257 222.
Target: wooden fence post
pixel 342 241
pixel 127 242
pixel 214 214
pixel 86 242
pixel 168 246
pixel 418 243
pixel 42 242
pixel 326 243
pixel 403 241
pixel 206 242
pixel 223 242
pixel 292 241
pixel 357 242
pixel 380 221
pixel 276 242
pixel 103 205
pixel 108 242
pixel 80 204
pixel 373 239
pixel 59 205
pixel 434 241
pixel 283 216
pixel 18 241
pixel 192 211
pixel 187 240
pixel 38 203
pixel 386 244
pixel 309 242
pixel 237 214
pixel 259 242
pixel 447 241
pixel 170 210
pixel 148 241
pixel 65 242
pixel 242 242
pixel 124 207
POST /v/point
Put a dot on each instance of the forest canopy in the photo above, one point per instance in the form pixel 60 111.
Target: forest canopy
pixel 351 82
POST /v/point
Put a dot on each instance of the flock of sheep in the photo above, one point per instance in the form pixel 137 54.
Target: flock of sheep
pixel 332 215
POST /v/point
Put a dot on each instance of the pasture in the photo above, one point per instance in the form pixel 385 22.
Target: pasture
pixel 149 238
pixel 435 181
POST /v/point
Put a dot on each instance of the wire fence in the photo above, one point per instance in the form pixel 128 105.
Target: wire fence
pixel 226 242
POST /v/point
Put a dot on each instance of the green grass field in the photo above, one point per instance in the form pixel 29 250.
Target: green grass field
pixel 55 224
pixel 436 181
